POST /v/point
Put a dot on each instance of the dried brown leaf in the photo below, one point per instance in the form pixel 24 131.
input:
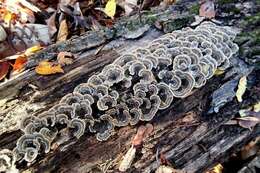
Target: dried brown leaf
pixel 142 133
pixel 127 159
pixel 51 25
pixel 167 169
pixel 149 3
pixel 139 136
pixel 65 58
pixel 63 31
pixel 248 122
pixel 207 9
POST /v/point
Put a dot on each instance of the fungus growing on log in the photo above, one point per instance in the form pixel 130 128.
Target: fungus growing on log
pixel 131 89
pixel 7 161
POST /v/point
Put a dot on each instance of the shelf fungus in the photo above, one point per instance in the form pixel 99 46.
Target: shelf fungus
pixel 131 89
pixel 7 161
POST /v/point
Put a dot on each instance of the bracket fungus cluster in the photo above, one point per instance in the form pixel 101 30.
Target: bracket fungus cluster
pixel 133 88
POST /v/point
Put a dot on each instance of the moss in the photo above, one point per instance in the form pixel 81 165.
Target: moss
pixel 253 37
pixel 252 20
pixel 194 9
pixel 222 2
pixel 178 23
pixel 250 46
pixel 235 10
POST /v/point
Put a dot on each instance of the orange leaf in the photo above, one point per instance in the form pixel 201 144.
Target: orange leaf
pixel 19 63
pixel 4 68
pixel 47 68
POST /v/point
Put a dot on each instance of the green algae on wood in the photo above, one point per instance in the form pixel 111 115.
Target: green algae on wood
pixel 194 9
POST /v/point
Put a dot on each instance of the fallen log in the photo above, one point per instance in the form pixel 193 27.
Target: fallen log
pixel 189 137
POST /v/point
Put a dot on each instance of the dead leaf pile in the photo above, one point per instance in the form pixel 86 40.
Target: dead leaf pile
pixel 57 20
pixel 21 30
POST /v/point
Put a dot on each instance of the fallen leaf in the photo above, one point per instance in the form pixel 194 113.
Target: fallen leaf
pixel 169 2
pixel 257 107
pixel 241 88
pixel 8 17
pixel 65 58
pixel 207 9
pixel 167 169
pixel 248 122
pixel 63 31
pixel 3 34
pixel 47 68
pixel 127 159
pixel 29 5
pixel 219 72
pixel 110 9
pixel 127 5
pixel 244 112
pixel 32 50
pixel 149 3
pixel 19 63
pixel 142 133
pixel 4 69
pixel 253 114
pixel 139 136
pixel 26 15
pixel 52 29
pixel 216 169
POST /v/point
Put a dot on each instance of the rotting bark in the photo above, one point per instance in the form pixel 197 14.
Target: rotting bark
pixel 185 133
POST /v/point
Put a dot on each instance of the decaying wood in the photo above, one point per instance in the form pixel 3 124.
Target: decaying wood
pixel 252 166
pixel 189 137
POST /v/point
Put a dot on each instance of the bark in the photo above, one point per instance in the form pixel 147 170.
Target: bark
pixel 190 137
